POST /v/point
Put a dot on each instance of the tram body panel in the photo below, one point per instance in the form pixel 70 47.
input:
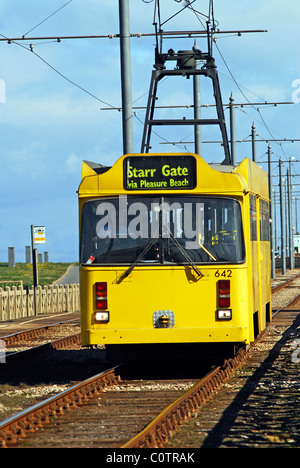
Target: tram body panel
pixel 187 303
pixel 136 304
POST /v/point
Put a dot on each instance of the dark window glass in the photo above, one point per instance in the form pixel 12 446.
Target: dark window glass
pixel 264 219
pixel 253 225
pixel 166 230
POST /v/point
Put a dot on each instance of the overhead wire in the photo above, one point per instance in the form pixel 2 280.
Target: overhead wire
pixel 71 81
pixel 211 18
pixel 52 14
pixel 189 6
pixel 241 91
pixel 30 49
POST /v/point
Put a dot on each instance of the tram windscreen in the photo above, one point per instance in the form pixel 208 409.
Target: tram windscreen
pixel 165 230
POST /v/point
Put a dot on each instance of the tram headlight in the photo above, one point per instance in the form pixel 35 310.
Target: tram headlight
pixel 224 314
pixel 102 317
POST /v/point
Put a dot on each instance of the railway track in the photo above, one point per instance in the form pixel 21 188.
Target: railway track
pixel 123 409
pixel 259 408
pixel 96 416
pixel 57 335
pixel 25 333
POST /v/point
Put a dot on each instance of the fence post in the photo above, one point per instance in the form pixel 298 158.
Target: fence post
pixel 1 305
pixel 7 314
pixel 18 302
pixel 31 306
pixel 67 289
pixel 38 300
pixel 21 292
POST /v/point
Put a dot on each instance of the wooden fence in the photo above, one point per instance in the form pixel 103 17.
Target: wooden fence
pixel 16 302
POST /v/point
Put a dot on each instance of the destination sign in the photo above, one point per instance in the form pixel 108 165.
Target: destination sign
pixel 160 172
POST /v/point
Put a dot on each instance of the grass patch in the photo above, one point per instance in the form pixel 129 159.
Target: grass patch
pixel 47 273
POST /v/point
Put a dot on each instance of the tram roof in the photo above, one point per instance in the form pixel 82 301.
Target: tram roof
pixel 247 176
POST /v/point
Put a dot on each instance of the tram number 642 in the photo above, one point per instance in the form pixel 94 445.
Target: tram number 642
pixel 223 273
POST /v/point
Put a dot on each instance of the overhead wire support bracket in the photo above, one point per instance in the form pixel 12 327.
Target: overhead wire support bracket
pixel 188 34
pixel 185 67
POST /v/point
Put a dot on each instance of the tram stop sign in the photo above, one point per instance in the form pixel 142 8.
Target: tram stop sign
pixel 39 235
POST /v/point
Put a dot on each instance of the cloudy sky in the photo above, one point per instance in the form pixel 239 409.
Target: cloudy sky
pixel 55 96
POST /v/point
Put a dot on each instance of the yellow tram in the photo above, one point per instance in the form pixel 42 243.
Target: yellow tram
pixel 174 253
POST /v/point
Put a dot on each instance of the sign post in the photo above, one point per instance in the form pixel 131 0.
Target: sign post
pixel 38 236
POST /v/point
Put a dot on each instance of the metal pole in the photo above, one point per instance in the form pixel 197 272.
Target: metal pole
pixel 273 273
pixel 197 105
pixel 291 234
pixel 125 56
pixel 232 130
pixel 253 132
pixel 34 270
pixel 283 257
pixel 275 218
pixel 286 215
pixel 296 215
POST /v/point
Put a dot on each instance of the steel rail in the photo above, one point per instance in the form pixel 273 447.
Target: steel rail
pixel 61 343
pixel 33 332
pixel 57 344
pixel 292 302
pixel 156 434
pixel 14 428
pixel 285 283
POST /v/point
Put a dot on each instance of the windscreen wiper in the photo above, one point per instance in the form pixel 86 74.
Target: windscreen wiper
pixel 186 256
pixel 137 260
pixel 148 247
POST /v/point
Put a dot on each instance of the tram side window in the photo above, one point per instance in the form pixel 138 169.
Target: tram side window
pixel 264 220
pixel 253 214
